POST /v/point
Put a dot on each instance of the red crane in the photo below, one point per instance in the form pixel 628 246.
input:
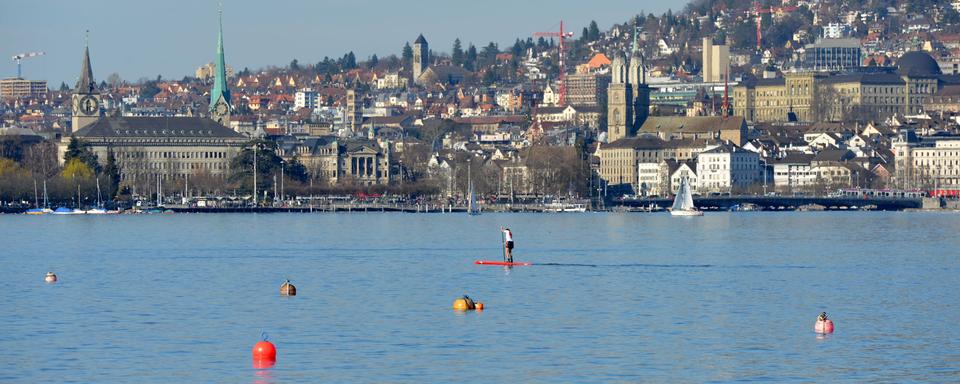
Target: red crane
pixel 563 71
pixel 760 11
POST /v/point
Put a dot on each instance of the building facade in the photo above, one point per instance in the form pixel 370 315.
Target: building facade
pixel 716 61
pixel 17 88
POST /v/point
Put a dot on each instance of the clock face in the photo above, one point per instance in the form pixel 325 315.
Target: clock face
pixel 221 109
pixel 88 105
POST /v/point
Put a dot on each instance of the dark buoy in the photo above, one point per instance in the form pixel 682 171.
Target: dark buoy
pixel 287 289
pixel 50 278
pixel 264 353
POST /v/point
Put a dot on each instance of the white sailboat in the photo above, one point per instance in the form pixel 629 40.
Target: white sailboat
pixel 683 202
pixel 472 207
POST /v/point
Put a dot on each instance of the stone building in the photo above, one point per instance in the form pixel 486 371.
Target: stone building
pixel 334 161
pixel 147 147
pixel 586 89
pixel 818 96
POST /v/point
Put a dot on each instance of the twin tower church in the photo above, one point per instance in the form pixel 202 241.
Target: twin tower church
pixel 628 96
pixel 148 147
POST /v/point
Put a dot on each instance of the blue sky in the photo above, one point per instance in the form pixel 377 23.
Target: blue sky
pixel 173 37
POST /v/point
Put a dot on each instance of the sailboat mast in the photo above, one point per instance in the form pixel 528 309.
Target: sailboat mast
pixel 45 204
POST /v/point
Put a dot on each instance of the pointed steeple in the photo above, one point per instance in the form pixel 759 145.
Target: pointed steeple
pixel 636 31
pixel 86 84
pixel 220 89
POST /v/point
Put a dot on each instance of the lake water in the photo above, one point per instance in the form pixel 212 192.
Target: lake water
pixel 623 297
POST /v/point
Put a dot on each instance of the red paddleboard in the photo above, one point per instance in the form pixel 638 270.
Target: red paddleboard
pixel 504 263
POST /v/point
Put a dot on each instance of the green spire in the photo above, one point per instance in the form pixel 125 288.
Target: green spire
pixel 636 31
pixel 220 89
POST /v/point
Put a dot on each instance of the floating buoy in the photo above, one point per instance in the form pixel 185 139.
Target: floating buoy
pixel 51 277
pixel 479 306
pixel 287 289
pixel 823 324
pixel 264 353
pixel 464 303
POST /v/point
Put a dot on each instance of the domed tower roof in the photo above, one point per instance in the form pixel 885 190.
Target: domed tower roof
pixel 917 63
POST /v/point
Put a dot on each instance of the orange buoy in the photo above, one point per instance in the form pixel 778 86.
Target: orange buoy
pixel 464 303
pixel 479 306
pixel 823 324
pixel 50 278
pixel 264 353
pixel 287 289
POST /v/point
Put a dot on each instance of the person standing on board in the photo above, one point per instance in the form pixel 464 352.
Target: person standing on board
pixel 507 244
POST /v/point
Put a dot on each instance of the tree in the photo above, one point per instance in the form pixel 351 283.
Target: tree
pixel 294 65
pixel 456 55
pixel 112 172
pixel 64 87
pixel 114 80
pixel 268 163
pixel 374 60
pixel 594 34
pixel 76 169
pixel 349 61
pixel 407 53
pixel 295 170
pixel 470 63
pixel 80 150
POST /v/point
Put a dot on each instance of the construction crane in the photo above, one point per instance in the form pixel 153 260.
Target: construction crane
pixel 19 57
pixel 563 71
pixel 760 11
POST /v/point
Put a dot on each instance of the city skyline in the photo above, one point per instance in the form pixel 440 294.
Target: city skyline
pixel 183 41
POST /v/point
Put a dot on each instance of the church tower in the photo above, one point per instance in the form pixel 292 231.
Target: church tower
pixel 619 101
pixel 637 77
pixel 220 107
pixel 421 57
pixel 86 96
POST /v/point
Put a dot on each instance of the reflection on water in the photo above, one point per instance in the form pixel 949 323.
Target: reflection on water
pixel 610 298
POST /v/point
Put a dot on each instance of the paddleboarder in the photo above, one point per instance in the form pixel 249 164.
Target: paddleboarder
pixel 507 244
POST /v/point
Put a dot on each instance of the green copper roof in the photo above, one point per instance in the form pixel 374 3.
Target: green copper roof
pixel 220 89
pixel 636 31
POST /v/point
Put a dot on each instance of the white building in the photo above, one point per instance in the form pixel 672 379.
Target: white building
pixel 793 172
pixel 727 168
pixel 306 98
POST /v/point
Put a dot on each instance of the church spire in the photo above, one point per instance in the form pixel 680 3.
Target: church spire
pixel 636 31
pixel 86 84
pixel 220 89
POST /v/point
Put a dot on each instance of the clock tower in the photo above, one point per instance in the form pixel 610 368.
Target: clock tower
pixel 85 106
pixel 220 107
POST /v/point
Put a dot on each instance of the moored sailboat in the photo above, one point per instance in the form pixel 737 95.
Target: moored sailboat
pixel 683 202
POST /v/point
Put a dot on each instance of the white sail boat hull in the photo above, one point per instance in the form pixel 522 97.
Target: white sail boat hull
pixel 686 213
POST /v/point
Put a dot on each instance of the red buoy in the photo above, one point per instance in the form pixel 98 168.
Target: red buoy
pixel 823 324
pixel 264 354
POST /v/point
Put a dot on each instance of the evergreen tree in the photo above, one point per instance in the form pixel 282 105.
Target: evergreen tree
pixel 64 87
pixel 295 170
pixel 407 54
pixel 294 65
pixel 112 172
pixel 585 35
pixel 471 58
pixel 457 54
pixel 80 150
pixel 374 60
pixel 594 31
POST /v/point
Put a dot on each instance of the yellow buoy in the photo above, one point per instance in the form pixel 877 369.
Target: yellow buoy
pixel 463 304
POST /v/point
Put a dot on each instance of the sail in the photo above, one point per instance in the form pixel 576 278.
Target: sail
pixel 472 208
pixel 687 197
pixel 684 199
